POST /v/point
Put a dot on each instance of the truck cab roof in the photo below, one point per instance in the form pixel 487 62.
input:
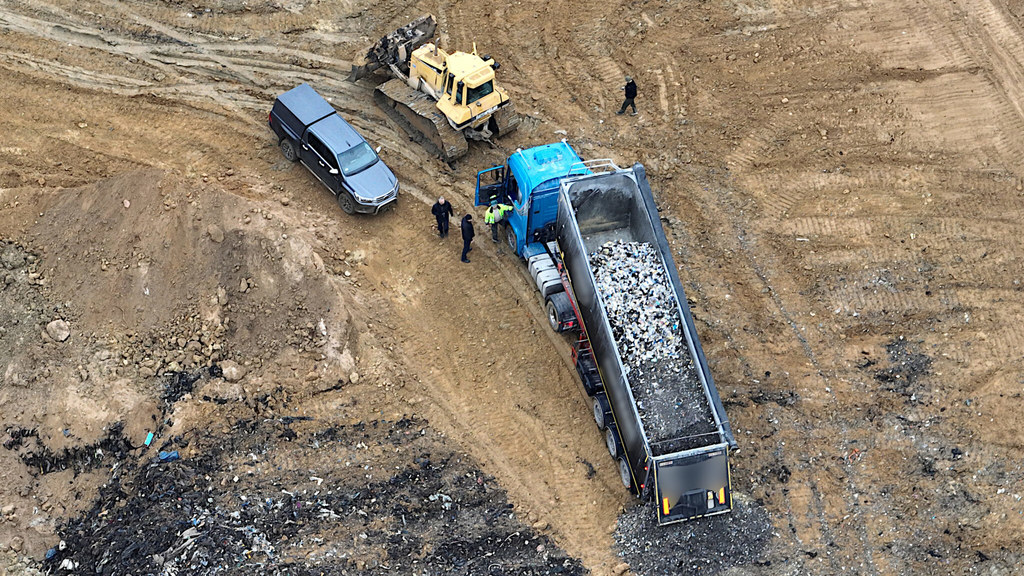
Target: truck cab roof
pixel 538 165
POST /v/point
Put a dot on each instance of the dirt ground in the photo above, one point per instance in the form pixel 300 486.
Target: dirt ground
pixel 841 182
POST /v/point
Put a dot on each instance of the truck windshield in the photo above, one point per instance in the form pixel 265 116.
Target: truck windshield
pixel 474 94
pixel 357 158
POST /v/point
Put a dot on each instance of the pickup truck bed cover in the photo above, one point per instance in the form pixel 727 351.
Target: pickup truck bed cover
pixel 305 104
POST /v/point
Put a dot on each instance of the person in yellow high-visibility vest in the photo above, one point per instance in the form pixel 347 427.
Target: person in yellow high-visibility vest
pixel 496 214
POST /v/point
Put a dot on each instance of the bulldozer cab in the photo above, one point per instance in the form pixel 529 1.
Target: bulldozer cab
pixel 468 94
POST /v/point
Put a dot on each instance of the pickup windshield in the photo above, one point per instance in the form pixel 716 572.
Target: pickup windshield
pixel 474 94
pixel 357 158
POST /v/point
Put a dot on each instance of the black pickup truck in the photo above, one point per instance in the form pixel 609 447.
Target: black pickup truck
pixel 311 131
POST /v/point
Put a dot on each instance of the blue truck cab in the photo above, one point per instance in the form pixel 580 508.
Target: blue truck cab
pixel 310 131
pixel 528 181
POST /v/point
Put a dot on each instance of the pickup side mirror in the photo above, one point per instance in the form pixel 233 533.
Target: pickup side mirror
pixel 378 150
pixel 334 171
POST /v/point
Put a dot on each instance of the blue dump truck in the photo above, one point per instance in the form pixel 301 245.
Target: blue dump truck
pixel 310 131
pixel 592 239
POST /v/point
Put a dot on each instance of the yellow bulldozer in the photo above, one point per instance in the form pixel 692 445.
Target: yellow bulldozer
pixel 439 98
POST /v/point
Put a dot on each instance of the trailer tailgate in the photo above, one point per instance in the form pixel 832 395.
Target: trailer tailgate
pixel 692 484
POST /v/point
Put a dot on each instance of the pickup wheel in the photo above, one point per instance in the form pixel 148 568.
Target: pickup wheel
pixel 348 205
pixel 611 439
pixel 288 149
pixel 602 412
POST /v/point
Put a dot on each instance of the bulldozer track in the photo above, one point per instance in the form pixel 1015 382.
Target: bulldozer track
pixel 507 120
pixel 418 115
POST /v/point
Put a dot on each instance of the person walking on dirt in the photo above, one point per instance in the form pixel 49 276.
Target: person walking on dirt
pixel 496 214
pixel 443 211
pixel 630 89
pixel 467 236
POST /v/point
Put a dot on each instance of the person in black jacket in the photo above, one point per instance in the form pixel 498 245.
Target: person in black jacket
pixel 442 210
pixel 467 236
pixel 630 89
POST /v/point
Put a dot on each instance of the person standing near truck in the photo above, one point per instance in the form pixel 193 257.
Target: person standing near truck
pixel 467 236
pixel 630 89
pixel 496 214
pixel 443 211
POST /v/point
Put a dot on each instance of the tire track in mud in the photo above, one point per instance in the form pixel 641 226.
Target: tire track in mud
pixel 982 51
pixel 796 194
pixel 170 32
pixel 509 405
pixel 241 77
pixel 817 511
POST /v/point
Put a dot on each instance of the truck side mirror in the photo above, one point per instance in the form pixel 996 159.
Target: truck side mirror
pixel 378 150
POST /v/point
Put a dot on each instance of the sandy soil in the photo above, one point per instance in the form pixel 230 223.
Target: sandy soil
pixel 841 181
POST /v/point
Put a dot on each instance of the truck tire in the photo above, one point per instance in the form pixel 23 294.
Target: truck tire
pixel 611 440
pixel 625 474
pixel 557 307
pixel 602 411
pixel 348 205
pixel 553 317
pixel 288 149
pixel 511 240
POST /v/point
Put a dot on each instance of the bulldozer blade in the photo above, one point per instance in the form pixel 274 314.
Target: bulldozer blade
pixel 395 48
pixel 357 73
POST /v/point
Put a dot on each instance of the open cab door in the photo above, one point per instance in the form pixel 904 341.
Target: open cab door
pixel 490 185
pixel 691 486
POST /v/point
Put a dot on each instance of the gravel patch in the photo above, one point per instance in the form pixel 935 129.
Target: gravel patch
pixel 703 547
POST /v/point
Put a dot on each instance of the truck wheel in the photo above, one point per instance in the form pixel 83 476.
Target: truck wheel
pixel 288 149
pixel 624 473
pixel 510 238
pixel 602 412
pixel 559 306
pixel 611 439
pixel 348 205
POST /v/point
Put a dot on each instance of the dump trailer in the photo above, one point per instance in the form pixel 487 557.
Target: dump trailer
pixel 593 242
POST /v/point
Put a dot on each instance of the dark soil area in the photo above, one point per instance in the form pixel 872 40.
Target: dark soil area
pixel 218 511
pixel 704 547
